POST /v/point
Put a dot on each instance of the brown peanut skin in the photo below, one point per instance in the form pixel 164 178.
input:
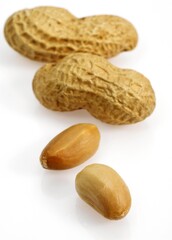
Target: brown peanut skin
pixel 101 187
pixel 82 80
pixel 50 33
pixel 71 147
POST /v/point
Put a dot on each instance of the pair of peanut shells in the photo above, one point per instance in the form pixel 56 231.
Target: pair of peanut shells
pixel 80 77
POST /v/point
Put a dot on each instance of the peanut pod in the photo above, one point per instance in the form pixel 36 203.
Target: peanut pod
pixel 50 33
pixel 82 80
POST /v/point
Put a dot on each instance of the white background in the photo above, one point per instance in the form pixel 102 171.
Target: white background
pixel 41 204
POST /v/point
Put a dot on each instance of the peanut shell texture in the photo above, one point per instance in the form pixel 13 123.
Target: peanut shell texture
pixel 87 81
pixel 50 33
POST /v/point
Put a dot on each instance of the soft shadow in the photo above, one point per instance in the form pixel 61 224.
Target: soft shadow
pixel 126 59
pixel 69 118
pixel 66 119
pixel 26 163
pixel 57 184
pixel 100 227
pixel 58 190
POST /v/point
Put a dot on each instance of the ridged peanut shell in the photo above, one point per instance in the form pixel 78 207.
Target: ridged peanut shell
pixel 71 147
pixel 102 187
pixel 51 33
pixel 82 80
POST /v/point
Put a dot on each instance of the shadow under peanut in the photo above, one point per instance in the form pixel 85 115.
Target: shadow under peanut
pixel 100 227
pixel 57 184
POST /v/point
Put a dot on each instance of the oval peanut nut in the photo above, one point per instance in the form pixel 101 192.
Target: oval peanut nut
pixel 51 33
pixel 71 147
pixel 101 187
pixel 83 80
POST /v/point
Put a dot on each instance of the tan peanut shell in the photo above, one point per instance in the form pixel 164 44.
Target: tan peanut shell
pixel 51 33
pixel 102 188
pixel 71 147
pixel 82 80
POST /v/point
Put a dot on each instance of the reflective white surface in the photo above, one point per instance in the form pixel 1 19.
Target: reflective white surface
pixel 39 204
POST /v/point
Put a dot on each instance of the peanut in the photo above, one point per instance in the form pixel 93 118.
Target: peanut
pixel 102 188
pixel 82 80
pixel 50 33
pixel 71 147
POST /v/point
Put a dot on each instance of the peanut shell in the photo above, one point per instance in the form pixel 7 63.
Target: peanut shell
pixel 82 80
pixel 51 33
